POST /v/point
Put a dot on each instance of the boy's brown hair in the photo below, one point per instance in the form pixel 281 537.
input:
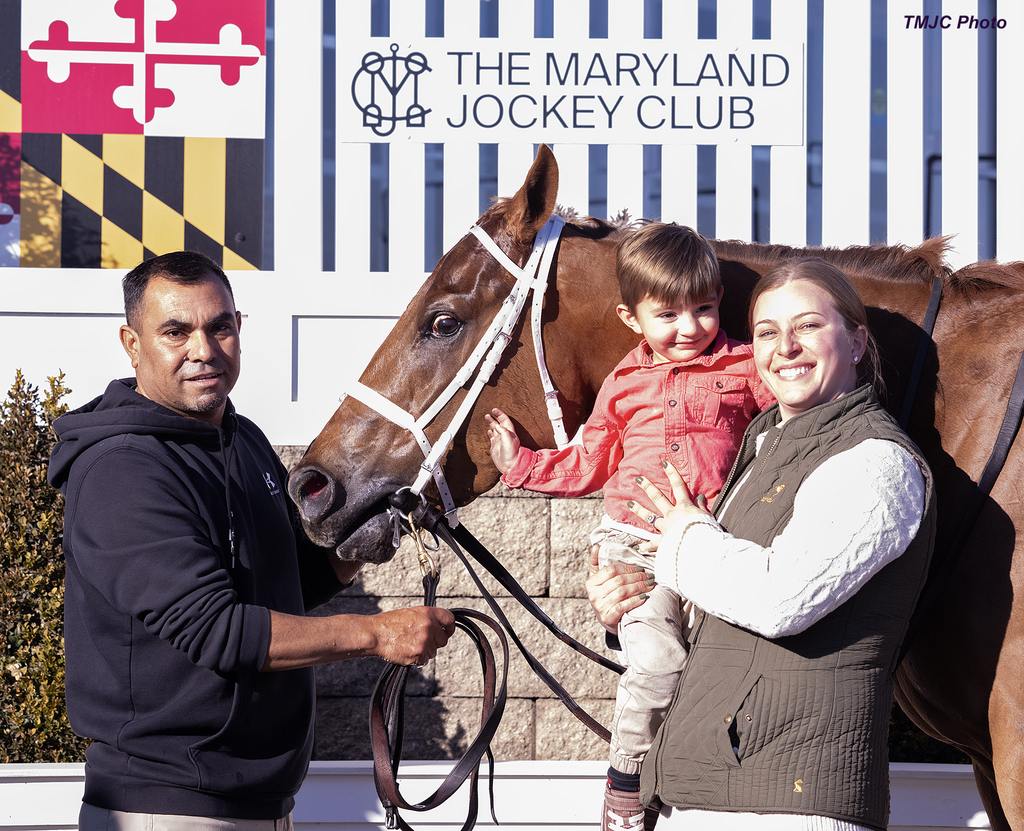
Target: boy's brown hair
pixel 667 262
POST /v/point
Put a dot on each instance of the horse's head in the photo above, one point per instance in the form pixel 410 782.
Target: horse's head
pixel 342 483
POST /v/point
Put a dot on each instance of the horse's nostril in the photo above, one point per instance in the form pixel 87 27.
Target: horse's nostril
pixel 314 485
pixel 313 491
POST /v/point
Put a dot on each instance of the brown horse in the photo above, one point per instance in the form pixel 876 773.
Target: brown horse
pixel 961 678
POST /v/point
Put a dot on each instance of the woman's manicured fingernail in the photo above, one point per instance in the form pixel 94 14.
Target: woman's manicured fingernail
pixel 664 464
pixel 639 480
pixel 642 596
pixel 631 504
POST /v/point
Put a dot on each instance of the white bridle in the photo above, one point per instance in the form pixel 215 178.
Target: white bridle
pixel 532 277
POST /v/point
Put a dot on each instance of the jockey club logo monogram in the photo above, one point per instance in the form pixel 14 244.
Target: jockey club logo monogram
pixel 386 90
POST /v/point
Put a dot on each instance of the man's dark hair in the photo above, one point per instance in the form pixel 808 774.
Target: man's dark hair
pixel 178 266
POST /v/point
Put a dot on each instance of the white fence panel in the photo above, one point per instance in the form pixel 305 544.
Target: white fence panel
pixel 679 162
pixel 1009 129
pixel 571 22
pixel 298 195
pixel 407 166
pixel 461 161
pixel 846 123
pixel 352 161
pixel 788 177
pixel 960 142
pixel 905 124
pixel 733 162
pixel 626 161
pixel 529 796
pixel 515 23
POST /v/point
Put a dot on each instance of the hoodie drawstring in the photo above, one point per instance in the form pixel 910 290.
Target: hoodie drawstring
pixel 227 451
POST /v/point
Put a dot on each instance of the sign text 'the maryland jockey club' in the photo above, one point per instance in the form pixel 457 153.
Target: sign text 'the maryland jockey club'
pixel 643 69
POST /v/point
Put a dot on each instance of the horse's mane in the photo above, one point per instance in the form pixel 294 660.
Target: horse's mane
pixel 894 263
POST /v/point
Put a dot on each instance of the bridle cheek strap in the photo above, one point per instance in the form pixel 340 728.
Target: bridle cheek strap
pixel 532 277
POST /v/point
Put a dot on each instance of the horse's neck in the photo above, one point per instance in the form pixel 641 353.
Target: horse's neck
pixel 593 340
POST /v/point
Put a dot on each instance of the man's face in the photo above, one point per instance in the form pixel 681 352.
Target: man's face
pixel 185 347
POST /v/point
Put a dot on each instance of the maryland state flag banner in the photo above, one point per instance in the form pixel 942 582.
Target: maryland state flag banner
pixel 130 128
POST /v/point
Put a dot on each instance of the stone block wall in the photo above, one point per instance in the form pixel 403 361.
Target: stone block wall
pixel 543 543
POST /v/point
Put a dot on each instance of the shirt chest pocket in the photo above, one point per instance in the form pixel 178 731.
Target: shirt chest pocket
pixel 722 401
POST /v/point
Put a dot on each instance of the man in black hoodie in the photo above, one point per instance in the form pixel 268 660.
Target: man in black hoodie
pixel 188 576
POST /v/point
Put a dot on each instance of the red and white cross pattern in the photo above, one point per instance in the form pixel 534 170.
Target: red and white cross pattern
pixel 158 67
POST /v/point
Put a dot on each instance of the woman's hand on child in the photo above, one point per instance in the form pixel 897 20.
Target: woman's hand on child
pixel 669 514
pixel 504 442
pixel 615 589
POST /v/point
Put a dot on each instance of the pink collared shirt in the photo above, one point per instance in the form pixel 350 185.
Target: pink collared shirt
pixel 692 413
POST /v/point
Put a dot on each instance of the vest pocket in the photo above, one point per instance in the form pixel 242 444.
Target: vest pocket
pixel 730 732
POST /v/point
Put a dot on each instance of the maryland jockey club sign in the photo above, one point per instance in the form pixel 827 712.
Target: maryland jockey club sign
pixel 653 91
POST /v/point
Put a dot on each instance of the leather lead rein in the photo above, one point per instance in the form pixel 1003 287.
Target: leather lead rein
pixel 387 701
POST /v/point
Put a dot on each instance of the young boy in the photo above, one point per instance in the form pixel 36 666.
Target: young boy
pixel 684 395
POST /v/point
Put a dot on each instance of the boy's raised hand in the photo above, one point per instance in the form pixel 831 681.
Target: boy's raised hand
pixel 504 442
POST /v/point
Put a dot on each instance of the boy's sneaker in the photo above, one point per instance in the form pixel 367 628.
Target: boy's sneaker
pixel 623 811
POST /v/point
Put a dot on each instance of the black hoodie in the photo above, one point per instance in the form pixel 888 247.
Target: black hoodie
pixel 165 629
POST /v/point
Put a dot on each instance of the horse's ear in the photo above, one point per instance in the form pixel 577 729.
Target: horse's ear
pixel 530 208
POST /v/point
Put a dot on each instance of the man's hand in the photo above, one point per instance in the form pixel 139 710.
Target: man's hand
pixel 501 433
pixel 403 636
pixel 412 636
pixel 615 589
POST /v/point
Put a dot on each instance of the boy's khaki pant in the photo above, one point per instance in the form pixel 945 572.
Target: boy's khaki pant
pixel 654 640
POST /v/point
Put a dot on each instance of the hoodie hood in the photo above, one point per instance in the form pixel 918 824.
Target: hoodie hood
pixel 119 411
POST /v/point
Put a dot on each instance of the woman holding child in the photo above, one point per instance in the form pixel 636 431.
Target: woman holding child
pixel 805 576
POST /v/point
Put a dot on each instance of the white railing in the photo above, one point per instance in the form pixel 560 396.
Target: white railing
pixel 529 796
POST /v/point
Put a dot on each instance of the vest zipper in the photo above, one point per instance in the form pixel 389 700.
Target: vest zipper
pixel 720 500
pixel 775 443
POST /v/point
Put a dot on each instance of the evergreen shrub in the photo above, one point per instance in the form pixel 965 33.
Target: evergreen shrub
pixel 33 721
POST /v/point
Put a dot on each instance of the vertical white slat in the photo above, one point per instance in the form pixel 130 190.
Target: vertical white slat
pixel 905 125
pixel 626 161
pixel 788 177
pixel 846 114
pixel 352 161
pixel 733 164
pixel 1009 129
pixel 461 160
pixel 960 139
pixel 297 150
pixel 679 162
pixel 407 169
pixel 515 25
pixel 571 22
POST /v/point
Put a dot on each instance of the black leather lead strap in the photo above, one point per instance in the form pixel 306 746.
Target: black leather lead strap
pixel 923 344
pixel 509 583
pixel 386 712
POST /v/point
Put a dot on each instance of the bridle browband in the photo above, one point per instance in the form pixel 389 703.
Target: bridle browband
pixel 481 363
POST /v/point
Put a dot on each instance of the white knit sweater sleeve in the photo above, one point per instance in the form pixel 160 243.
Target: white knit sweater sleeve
pixel 853 514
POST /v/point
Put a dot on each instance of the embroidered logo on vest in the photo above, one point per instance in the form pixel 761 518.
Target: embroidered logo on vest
pixel 798 786
pixel 769 497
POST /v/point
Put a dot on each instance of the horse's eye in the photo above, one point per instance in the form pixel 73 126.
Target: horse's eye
pixel 445 325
